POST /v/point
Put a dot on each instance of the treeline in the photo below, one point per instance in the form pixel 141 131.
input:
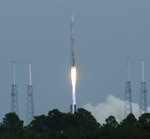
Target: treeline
pixel 80 125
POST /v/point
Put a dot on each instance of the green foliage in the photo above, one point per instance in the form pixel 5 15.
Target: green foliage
pixel 80 125
pixel 130 120
pixel 39 123
pixel 108 129
pixel 144 121
pixel 53 135
pixel 85 121
pixel 111 122
pixel 11 127
pixel 11 122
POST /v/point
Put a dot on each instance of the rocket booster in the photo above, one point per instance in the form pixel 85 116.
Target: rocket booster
pixel 73 68
pixel 72 41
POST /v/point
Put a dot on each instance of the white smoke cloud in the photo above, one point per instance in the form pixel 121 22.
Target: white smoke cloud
pixel 112 106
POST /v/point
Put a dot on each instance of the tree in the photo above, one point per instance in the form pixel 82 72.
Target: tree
pixel 39 123
pixel 85 121
pixel 128 127
pixel 144 121
pixel 56 120
pixel 109 129
pixel 144 118
pixel 53 135
pixel 111 122
pixel 11 122
pixel 130 120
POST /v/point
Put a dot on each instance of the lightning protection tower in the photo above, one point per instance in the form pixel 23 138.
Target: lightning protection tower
pixel 14 95
pixel 128 97
pixel 143 94
pixel 30 106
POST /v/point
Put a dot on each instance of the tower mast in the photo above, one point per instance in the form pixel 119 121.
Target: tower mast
pixel 30 104
pixel 14 95
pixel 128 96
pixel 143 94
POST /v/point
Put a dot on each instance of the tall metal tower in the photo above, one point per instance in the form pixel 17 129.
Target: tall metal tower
pixel 14 95
pixel 143 94
pixel 128 97
pixel 30 104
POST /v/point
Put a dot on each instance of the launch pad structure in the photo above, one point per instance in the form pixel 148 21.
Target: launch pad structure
pixel 30 104
pixel 143 94
pixel 14 93
pixel 128 91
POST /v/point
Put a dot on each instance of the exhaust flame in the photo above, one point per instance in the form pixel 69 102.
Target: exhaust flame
pixel 73 80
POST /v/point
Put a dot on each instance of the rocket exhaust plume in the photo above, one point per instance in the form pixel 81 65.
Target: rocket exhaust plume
pixel 73 67
pixel 73 80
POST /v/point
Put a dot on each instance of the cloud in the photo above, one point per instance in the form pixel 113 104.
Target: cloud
pixel 112 106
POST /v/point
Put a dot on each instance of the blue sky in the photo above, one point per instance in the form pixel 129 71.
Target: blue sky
pixel 38 31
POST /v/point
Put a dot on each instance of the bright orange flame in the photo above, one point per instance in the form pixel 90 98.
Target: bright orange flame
pixel 73 77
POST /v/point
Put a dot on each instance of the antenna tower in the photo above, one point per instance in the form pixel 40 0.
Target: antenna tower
pixel 128 98
pixel 14 95
pixel 143 94
pixel 30 106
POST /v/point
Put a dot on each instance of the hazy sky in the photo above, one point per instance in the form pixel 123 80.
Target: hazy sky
pixel 38 31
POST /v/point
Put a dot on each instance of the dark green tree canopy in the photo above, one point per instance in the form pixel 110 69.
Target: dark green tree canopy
pixel 80 125
pixel 144 118
pixel 111 121
pixel 11 122
pixel 129 120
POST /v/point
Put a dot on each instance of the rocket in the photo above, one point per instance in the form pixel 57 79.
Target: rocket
pixel 72 22
pixel 73 67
